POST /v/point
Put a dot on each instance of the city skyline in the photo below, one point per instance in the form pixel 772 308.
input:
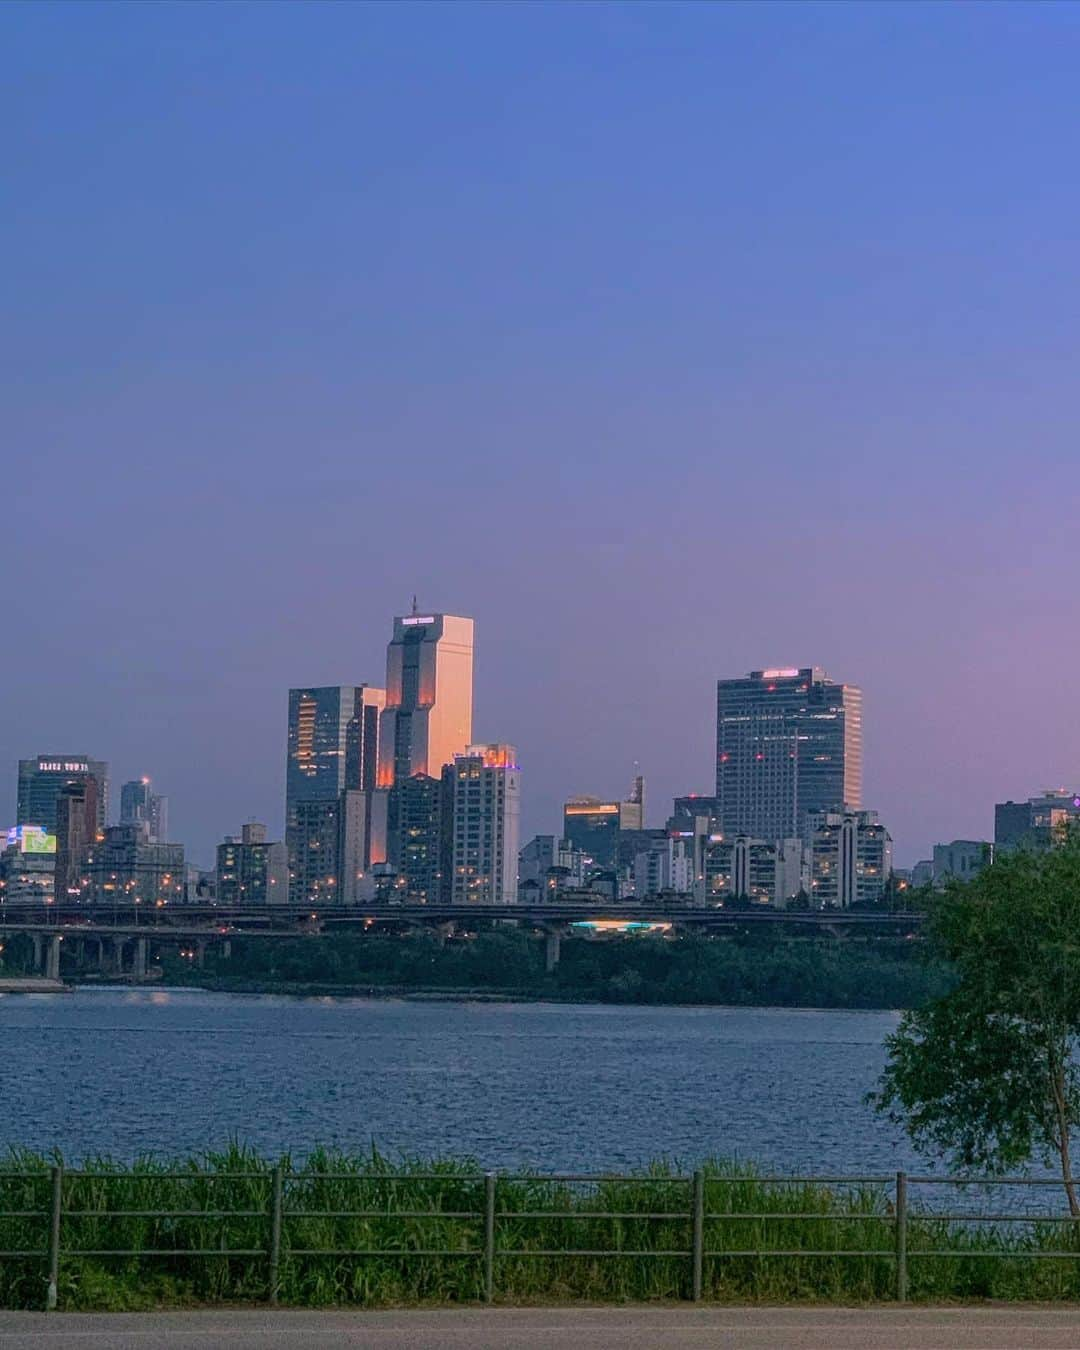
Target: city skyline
pixel 670 342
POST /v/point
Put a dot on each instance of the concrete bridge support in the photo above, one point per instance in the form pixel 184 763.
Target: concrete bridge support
pixel 39 949
pixel 139 964
pixel 552 948
pixel 52 958
pixel 117 962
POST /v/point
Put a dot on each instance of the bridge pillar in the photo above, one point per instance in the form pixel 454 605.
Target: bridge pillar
pixel 225 949
pixel 52 958
pixel 443 931
pixel 117 962
pixel 38 942
pixel 138 966
pixel 552 949
pixel 200 953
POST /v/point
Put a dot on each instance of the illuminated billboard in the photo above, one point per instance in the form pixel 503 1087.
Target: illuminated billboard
pixel 31 839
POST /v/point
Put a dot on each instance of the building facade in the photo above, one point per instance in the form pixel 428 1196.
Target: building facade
pixel 28 867
pixel 850 858
pixel 333 737
pixel 758 870
pixel 960 860
pixel 141 805
pixel 483 804
pixel 597 827
pixel 424 822
pixel 788 743
pixel 429 696
pixel 122 866
pixel 251 870
pixel 41 780
pixel 1036 823
pixel 77 815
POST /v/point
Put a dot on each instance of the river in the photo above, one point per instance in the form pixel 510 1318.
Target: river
pixel 537 1085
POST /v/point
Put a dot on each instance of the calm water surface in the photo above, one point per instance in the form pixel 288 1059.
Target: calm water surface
pixel 549 1086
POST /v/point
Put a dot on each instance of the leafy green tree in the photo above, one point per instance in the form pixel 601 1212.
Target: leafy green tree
pixel 987 1074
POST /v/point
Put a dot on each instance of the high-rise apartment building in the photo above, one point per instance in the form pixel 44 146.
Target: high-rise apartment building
pixel 483 802
pixel 251 870
pixel 763 871
pixel 333 740
pixel 1037 823
pixel 788 742
pixel 40 782
pixel 141 805
pixel 850 857
pixel 429 696
pixel 423 812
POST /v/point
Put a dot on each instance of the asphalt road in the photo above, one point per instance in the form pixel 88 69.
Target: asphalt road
pixel 1004 1327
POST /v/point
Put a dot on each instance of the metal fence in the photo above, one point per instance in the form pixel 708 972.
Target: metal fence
pixel 693 1210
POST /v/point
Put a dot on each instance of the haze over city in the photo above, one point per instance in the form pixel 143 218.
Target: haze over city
pixel 666 342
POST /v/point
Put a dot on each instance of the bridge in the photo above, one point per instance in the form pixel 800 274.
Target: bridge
pixel 123 933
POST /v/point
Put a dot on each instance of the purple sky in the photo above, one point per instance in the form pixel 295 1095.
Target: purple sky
pixel 666 341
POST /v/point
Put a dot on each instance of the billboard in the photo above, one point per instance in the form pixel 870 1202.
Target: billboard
pixel 31 839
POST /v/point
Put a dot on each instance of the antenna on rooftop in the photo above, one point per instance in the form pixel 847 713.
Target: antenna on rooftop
pixel 414 609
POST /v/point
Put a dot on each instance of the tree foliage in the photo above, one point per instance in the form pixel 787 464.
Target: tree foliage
pixel 987 1074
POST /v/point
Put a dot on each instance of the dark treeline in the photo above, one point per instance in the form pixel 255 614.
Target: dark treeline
pixel 750 971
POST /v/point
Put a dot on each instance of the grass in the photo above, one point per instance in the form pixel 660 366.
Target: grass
pixel 430 1213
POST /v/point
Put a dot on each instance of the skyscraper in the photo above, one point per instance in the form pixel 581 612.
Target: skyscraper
pixel 788 742
pixel 251 870
pixel 332 750
pixel 41 779
pixel 141 805
pixel 76 831
pixel 483 802
pixel 429 694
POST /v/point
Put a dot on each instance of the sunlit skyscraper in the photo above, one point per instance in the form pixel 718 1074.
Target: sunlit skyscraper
pixel 429 696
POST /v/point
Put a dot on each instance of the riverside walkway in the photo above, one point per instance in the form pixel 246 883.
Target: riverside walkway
pixel 643 1327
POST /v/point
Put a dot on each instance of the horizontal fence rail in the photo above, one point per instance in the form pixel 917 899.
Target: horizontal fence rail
pixel 492 1220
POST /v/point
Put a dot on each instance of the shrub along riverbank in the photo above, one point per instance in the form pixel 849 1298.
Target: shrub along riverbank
pixel 338 1213
pixel 750 971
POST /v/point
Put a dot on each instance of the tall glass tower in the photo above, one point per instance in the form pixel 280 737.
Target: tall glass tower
pixel 788 742
pixel 332 751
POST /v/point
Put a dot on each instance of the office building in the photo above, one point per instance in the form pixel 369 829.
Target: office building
pixel 333 738
pixel 40 782
pixel 27 866
pixel 123 867
pixel 788 743
pixel 1036 823
pixel 423 830
pixel 483 805
pixel 597 827
pixel 77 830
pixel 429 696
pixel 759 870
pixel 251 870
pixel 850 858
pixel 960 860
pixel 141 805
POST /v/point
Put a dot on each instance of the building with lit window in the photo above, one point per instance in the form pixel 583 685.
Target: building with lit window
pixel 597 827
pixel 548 866
pixel 141 805
pixel 759 870
pixel 424 824
pixel 27 867
pixel 251 870
pixel 483 803
pixel 1036 823
pixel 850 858
pixel 77 830
pixel 333 739
pixel 41 780
pixel 666 864
pixel 123 867
pixel 788 743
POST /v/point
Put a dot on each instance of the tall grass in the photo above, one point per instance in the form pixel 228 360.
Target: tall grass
pixel 368 1231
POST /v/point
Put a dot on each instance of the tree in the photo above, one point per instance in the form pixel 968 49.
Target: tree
pixel 987 1074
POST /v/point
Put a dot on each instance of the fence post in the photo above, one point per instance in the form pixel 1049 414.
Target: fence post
pixel 277 1188
pixel 489 1236
pixel 57 1175
pixel 698 1208
pixel 901 1238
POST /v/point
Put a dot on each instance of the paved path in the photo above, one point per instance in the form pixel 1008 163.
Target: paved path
pixel 639 1328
